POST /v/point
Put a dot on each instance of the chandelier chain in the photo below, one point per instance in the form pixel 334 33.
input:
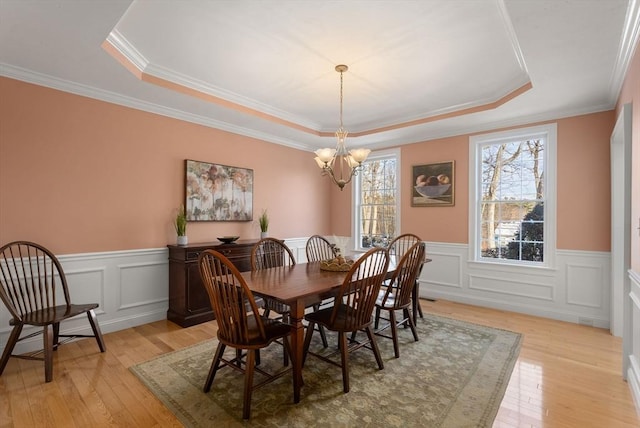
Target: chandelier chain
pixel 341 124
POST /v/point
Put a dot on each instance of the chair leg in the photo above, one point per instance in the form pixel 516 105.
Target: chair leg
pixel 47 338
pixel 415 295
pixel 307 341
pixel 394 332
pixel 412 325
pixel 323 334
pixel 215 364
pixel 374 347
pixel 344 355
pixel 418 299
pixel 377 318
pixel 93 320
pixel 248 383
pixel 285 354
pixel 11 343
pixel 56 335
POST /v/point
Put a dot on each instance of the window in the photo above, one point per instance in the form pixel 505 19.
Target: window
pixel 512 196
pixel 377 200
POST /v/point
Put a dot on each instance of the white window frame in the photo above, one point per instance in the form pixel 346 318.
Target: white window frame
pixel 355 200
pixel 549 132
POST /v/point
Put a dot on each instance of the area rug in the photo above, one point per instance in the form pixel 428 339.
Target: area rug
pixel 454 376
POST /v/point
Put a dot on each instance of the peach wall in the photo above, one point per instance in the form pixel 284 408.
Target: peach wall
pixel 81 175
pixel 584 182
pixel 583 187
pixel 630 93
pixel 439 224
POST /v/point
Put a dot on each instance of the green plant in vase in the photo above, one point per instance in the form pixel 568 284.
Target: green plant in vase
pixel 180 224
pixel 263 220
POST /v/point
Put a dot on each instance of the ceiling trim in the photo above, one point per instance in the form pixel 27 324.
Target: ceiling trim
pixel 628 43
pixel 447 115
pixel 169 79
pixel 126 54
pixel 29 76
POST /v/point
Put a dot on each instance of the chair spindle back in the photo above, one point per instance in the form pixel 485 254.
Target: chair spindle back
pixel 271 252
pixel 31 279
pixel 319 248
pixel 404 278
pixel 359 291
pixel 228 293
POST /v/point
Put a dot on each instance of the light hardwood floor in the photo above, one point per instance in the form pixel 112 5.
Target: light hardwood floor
pixel 567 375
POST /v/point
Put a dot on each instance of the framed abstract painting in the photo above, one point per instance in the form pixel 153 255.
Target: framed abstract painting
pixel 216 192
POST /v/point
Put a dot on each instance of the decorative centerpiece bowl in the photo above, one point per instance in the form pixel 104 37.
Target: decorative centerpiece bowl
pixel 433 191
pixel 228 239
pixel 337 264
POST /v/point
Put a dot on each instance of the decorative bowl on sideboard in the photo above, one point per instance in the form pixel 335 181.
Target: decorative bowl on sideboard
pixel 228 239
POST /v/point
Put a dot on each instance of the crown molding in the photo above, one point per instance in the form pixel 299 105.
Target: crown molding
pixel 628 44
pixel 29 76
pixel 205 88
pixel 127 50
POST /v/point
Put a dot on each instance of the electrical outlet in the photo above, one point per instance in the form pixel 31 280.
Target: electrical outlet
pixel 585 321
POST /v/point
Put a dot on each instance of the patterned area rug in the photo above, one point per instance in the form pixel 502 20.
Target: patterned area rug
pixel 454 376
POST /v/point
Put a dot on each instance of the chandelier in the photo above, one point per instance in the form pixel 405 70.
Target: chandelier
pixel 339 164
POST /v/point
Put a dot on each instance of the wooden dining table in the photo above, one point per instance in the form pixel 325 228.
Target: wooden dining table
pixel 298 286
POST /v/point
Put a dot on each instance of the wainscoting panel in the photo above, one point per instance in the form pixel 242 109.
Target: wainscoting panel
pixel 584 286
pixel 142 284
pixel 511 287
pixel 299 248
pixel 131 288
pixel 633 373
pixel 87 285
pixel 577 290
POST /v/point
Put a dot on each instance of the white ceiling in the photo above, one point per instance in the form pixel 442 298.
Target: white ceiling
pixel 415 67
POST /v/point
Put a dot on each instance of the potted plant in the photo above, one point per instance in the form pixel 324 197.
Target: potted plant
pixel 263 220
pixel 180 224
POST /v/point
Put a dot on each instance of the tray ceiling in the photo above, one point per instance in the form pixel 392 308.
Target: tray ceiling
pixel 417 70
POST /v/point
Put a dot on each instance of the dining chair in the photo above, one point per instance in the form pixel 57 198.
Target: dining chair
pixel 352 310
pixel 318 248
pixel 238 328
pixel 398 247
pixel 397 296
pixel 34 289
pixel 268 253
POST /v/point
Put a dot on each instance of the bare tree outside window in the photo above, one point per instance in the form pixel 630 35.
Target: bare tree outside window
pixel 377 202
pixel 512 200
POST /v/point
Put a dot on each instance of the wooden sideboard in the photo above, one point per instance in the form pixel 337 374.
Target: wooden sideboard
pixel 188 300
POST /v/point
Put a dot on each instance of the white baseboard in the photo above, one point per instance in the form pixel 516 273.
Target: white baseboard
pixel 633 379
